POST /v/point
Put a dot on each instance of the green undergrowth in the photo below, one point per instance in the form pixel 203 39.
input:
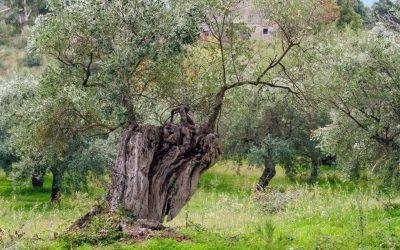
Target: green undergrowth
pixel 102 230
pixel 224 213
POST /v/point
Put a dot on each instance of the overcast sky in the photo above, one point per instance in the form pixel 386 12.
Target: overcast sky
pixel 369 2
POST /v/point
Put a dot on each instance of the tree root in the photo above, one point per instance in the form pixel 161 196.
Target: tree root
pixel 87 218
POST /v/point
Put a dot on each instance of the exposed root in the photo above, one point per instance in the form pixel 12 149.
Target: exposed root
pixel 140 234
pixel 87 218
pixel 154 225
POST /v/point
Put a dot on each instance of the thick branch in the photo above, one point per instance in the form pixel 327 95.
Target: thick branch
pixel 88 71
pixel 385 141
pixel 209 126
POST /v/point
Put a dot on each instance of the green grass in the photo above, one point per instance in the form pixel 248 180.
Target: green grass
pixel 225 214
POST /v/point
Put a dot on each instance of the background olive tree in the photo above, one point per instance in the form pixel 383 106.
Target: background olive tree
pixel 360 86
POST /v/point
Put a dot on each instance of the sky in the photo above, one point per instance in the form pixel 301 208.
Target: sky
pixel 369 2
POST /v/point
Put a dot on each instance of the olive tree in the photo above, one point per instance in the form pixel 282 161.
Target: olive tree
pixel 274 128
pixel 113 59
pixel 388 12
pixel 23 12
pixel 361 86
pixel 15 90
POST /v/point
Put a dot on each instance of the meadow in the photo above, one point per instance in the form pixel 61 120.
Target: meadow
pixel 224 213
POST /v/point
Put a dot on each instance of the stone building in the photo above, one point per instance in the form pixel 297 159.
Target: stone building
pixel 261 28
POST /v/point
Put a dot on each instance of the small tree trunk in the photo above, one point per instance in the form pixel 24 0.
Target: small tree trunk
pixel 37 178
pixel 158 168
pixel 56 185
pixel 267 175
pixel 314 171
pixel 355 170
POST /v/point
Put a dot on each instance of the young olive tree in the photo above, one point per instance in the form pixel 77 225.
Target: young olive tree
pixel 113 58
pixel 18 108
pixel 14 91
pixel 272 129
pixel 361 86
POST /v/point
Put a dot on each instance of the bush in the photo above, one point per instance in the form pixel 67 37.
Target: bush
pixel 101 230
pixel 32 60
pixel 276 199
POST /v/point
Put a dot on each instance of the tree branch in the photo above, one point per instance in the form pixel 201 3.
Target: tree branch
pixel 88 71
pixel 209 126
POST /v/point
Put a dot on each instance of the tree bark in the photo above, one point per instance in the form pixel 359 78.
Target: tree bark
pixel 56 185
pixel 267 175
pixel 158 168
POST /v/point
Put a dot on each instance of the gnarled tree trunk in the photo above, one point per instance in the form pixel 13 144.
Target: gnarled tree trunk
pixel 158 168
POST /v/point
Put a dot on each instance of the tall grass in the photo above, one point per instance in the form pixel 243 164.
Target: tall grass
pixel 226 214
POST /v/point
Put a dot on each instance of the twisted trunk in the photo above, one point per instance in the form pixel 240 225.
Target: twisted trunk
pixel 158 168
pixel 267 175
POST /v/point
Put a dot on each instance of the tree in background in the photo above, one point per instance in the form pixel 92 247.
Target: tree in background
pixel 273 129
pixel 84 156
pixel 23 12
pixel 353 13
pixel 387 12
pixel 15 91
pixel 361 87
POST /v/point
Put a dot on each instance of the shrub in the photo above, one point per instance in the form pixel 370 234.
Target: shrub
pixel 276 199
pixel 32 60
pixel 101 230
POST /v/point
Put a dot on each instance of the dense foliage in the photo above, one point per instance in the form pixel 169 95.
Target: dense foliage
pixel 317 93
pixel 362 89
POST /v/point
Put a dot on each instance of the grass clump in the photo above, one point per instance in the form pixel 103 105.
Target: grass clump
pixel 276 199
pixel 222 214
pixel 102 230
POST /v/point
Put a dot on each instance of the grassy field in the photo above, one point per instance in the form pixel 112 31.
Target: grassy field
pixel 223 214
